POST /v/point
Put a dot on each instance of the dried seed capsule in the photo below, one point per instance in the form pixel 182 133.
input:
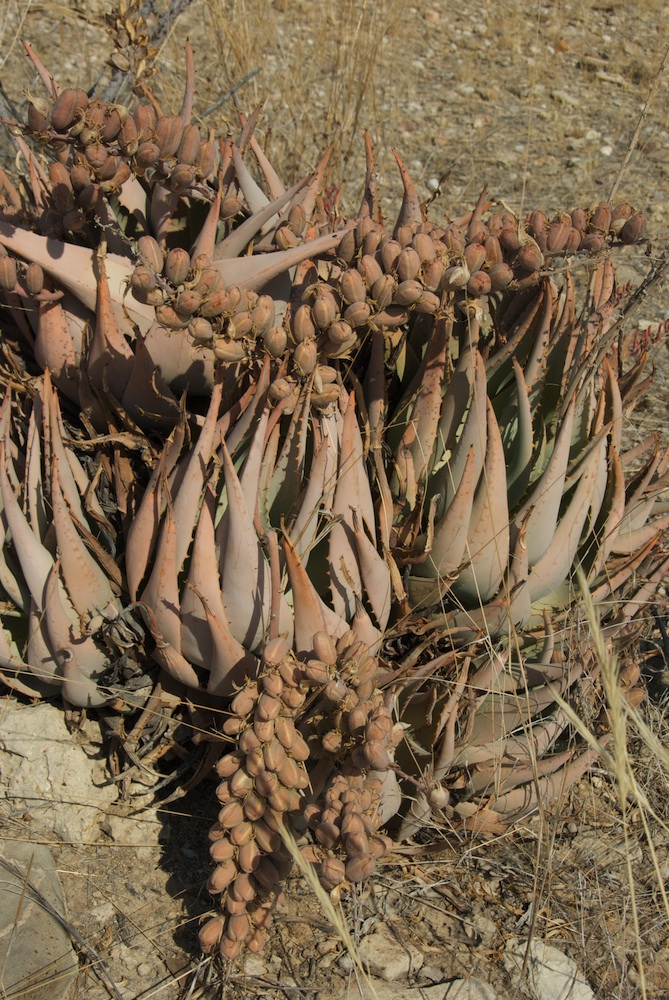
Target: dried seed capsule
pixel 363 227
pixel 222 876
pixel 248 741
pixel 188 302
pixel 201 330
pixel 432 274
pixel 593 242
pixel 500 276
pixel 557 236
pixel 284 729
pixel 210 934
pixel 266 782
pixel 347 248
pixel 356 844
pixel 255 761
pixel 228 764
pixel 274 754
pixel 229 949
pixel 424 247
pixel 371 242
pixel 352 286
pixel 293 698
pixel 263 728
pixel 633 229
pixel 455 277
pixel 238 927
pixel 288 773
pixel 256 942
pixel 335 690
pixel 182 177
pixel 96 155
pixel 380 845
pixel 8 273
pixel 474 256
pixel 357 314
pixel 145 120
pixel 360 868
pixel 370 270
pixel 38 111
pixel 128 138
pixel 325 648
pixel 316 671
pixel 147 155
pixel 34 279
pixel 243 889
pixel 177 266
pixel 248 857
pixel 331 872
pixel 266 839
pixel 66 107
pixel 428 303
pixel 408 265
pixel 331 742
pixel 305 357
pixel 600 220
pixel 222 850
pixel 408 292
pixel 242 833
pixel 530 258
pixel 300 749
pixel 389 251
pixel 262 315
pixel 189 146
pixel 168 135
pixel 383 290
pixel 303 326
pixel 254 807
pixel 279 800
pixel 230 815
pixel 340 333
pixel 377 756
pixel 274 820
pixel 268 708
pixel 327 834
pixel 272 685
pixel 266 874
pixel 479 283
pixel 324 309
pixel 619 216
pixel 351 823
pixel 205 163
pixel 275 341
pixel 170 318
pixel 233 906
pixel 241 782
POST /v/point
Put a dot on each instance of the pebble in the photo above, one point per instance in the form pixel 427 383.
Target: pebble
pixel 387 958
pixel 551 974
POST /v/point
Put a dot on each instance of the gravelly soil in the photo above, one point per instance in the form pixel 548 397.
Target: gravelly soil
pixel 539 102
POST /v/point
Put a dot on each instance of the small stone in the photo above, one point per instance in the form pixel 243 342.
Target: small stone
pixel 468 989
pixel 551 974
pixel 387 958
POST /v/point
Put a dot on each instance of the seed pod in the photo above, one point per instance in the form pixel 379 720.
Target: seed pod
pixel 303 326
pixel 201 330
pixel 300 749
pixel 263 728
pixel 279 800
pixel 168 132
pixel 352 286
pixel 336 690
pixel 579 219
pixel 474 257
pixel 573 240
pixel 96 154
pixel 262 315
pixel 230 815
pixel 360 868
pixel 331 742
pixel 275 821
pixel 431 274
pixel 115 183
pixel 171 320
pixel 305 357
pixel 332 871
pixel 222 850
pixel 404 235
pixel 593 242
pixel 424 247
pixel 289 669
pixel 243 889
pixel 408 292
pixel 377 756
pixel 248 857
pixel 229 949
pixel 288 773
pixel 266 874
pixel 340 333
pixel 254 807
pixel 324 309
pixel 284 729
pixel 189 146
pixel 357 314
pixel 370 270
pixel 222 876
pixel 285 238
pixel 147 155
pixel 256 942
pixel 538 222
pixel 34 279
pixel 633 229
pixel 268 708
pixel 352 823
pixel 383 291
pixel 8 273
pixel 325 648
pixel 241 782
pixel 408 265
pixel 347 246
pixel 600 220
pixel 371 242
pixel 619 216
pixel 182 177
pixel 254 761
pixel 233 906
pixel 242 833
pixel 266 839
pixel 294 698
pixel 356 844
pixel 145 120
pixel 266 782
pixel 177 266
pixel 380 845
pixel 493 251
pixel 228 764
pixel 479 284
pixel 66 107
pixel 274 754
pixel 390 251
pixel 128 137
pixel 530 258
pixel 188 302
pixel 210 934
pixel 238 927
pixel 455 277
pixel 500 276
pixel 205 162
pixel 327 834
pixel 38 111
pixel 428 303
pixel 245 699
pixel 248 741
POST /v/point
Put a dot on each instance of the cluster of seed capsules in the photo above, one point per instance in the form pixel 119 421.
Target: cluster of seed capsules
pixel 188 293
pixel 99 146
pixel 266 786
pixel 25 280
pixel 381 280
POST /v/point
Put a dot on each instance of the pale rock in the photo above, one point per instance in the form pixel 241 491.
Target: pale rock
pixel 388 958
pixel 378 989
pixel 51 777
pixel 551 974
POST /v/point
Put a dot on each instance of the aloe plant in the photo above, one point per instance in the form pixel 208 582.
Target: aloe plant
pixel 331 479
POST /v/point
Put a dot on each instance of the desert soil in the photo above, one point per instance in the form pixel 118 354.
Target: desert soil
pixel 540 102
